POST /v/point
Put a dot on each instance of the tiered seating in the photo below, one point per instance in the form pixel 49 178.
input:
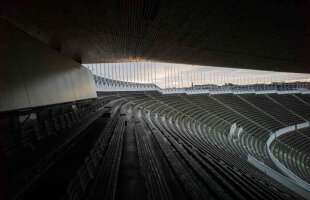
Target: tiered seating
pixel 167 131
pixel 182 146
pixel 36 138
pixel 253 135
pixel 304 97
pixel 34 126
pixel 77 186
pixel 104 185
pixel 274 109
pixel 195 190
pixel 207 178
pixel 155 182
pixel 295 103
pixel 249 111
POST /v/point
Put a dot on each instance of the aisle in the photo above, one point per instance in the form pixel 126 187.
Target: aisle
pixel 131 184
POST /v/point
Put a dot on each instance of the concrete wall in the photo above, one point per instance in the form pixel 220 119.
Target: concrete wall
pixel 280 178
pixel 287 172
pixel 33 74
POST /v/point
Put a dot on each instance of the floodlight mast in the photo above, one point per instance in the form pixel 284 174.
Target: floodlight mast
pixel 165 79
pixel 155 72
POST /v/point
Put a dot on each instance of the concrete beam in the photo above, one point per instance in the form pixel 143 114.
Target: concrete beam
pixel 33 74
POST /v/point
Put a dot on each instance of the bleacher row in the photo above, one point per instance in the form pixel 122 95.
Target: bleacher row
pixel 78 185
pixel 293 151
pixel 180 111
pixel 257 121
pixel 184 146
pixel 33 140
pixel 38 125
pixel 228 175
pixel 154 181
pixel 106 179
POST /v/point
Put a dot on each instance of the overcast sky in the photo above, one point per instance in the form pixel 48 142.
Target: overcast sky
pixel 180 75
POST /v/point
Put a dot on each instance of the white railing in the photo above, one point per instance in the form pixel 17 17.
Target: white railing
pixel 279 177
pixel 287 172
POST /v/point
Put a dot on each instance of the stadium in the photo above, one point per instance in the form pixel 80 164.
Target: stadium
pixel 155 99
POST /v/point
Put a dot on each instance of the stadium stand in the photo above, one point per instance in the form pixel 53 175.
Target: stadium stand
pixel 154 100
pixel 181 147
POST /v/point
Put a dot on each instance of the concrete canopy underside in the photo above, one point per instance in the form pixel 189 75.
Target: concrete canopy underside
pixel 255 34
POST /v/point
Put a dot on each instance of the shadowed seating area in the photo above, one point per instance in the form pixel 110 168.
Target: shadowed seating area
pixel 175 146
pixel 154 99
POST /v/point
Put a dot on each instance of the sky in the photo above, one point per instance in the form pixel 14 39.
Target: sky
pixel 182 75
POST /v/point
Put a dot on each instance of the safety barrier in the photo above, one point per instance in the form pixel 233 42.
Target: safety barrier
pixel 286 171
pixel 280 178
